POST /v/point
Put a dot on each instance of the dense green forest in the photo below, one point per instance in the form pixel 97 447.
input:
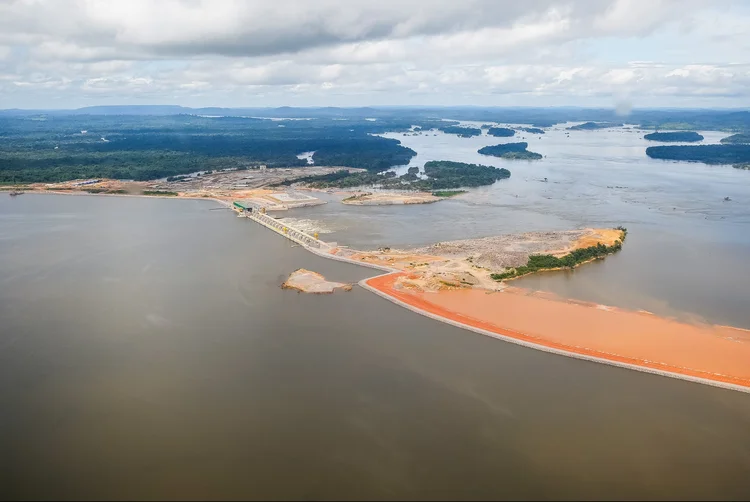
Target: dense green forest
pixel 736 139
pixel 591 126
pixel 513 151
pixel 708 154
pixel 464 132
pixel 576 257
pixel 682 136
pixel 442 176
pixel 501 132
pixel 56 148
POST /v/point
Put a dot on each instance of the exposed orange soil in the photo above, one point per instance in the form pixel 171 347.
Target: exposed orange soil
pixel 716 353
pixel 395 260
pixel 605 236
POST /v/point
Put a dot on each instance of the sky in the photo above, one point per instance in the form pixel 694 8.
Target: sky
pixel 235 53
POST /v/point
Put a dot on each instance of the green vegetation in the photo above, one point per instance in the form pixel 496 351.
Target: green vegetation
pixel 591 126
pixel 448 193
pixel 341 179
pixel 510 151
pixel 463 132
pixel 152 147
pixel 442 175
pixel 685 136
pixel 501 132
pixel 708 154
pixel 736 139
pixel 160 192
pixel 532 130
pixel 574 258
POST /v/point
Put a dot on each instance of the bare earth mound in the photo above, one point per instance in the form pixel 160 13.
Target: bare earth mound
pixel 390 198
pixel 307 281
pixel 469 263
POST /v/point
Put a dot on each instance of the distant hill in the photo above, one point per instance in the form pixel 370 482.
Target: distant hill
pixel 681 136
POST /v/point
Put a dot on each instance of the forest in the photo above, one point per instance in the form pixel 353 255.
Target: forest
pixel 592 126
pixel 681 136
pixel 463 132
pixel 513 151
pixel 736 139
pixel 501 132
pixel 60 148
pixel 708 154
pixel 442 176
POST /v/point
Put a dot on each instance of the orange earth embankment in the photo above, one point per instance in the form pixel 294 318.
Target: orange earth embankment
pixel 713 353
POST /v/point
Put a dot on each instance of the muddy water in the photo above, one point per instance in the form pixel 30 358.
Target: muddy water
pixel 687 251
pixel 147 351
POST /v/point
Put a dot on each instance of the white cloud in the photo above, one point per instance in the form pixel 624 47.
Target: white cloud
pixel 237 53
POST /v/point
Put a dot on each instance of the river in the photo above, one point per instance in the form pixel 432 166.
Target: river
pixel 687 250
pixel 147 351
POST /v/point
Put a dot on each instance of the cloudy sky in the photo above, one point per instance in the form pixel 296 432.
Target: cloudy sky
pixel 71 53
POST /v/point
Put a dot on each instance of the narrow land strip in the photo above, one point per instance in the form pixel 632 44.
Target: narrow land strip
pixel 712 355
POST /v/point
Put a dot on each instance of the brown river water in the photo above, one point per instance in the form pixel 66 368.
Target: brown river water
pixel 147 351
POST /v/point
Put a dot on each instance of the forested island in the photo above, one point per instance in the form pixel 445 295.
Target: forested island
pixel 681 136
pixel 501 132
pixel 591 126
pixel 531 130
pixel 463 132
pixel 708 154
pixel 442 175
pixel 736 139
pixel 515 151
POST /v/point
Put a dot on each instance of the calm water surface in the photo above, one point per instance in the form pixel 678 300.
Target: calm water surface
pixel 688 250
pixel 147 351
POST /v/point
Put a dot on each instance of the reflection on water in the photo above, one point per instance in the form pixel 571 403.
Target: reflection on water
pixel 147 351
pixel 687 248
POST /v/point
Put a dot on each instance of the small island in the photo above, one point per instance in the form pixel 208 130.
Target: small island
pixel 531 130
pixel 680 136
pixel 307 281
pixel 736 139
pixel 592 126
pixel 708 154
pixel 501 132
pixel 462 132
pixel 513 151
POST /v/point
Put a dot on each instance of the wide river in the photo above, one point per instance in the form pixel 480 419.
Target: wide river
pixel 147 351
pixel 688 250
